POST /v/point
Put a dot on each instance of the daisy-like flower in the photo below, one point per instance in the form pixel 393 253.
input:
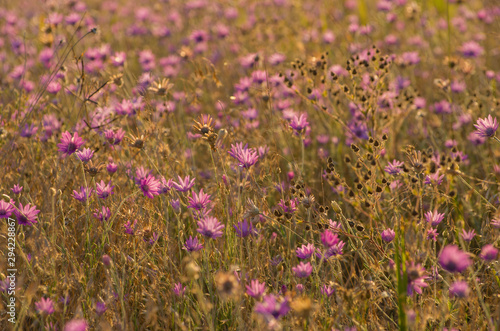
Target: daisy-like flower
pixel 329 238
pixel 183 185
pixel 76 325
pixel 244 155
pixel 85 155
pixel 100 308
pixel 394 168
pixel 299 123
pixel 302 270
pixel 161 87
pixel 305 251
pixel 70 144
pixel 199 201
pixel 6 209
pixel 272 308
pixel 388 235
pixel 486 127
pixel 468 236
pixel 434 217
pixel 45 306
pixel 255 289
pixel 432 234
pixel 26 215
pixel 489 253
pixel 130 228
pixel 104 190
pixel 210 227
pixel 83 195
pixel 150 186
pixel 17 189
pixel 192 244
pixel 227 284
pixel 471 49
pixel 459 289
pixel 327 290
pixel 434 179
pixel 453 259
pixel 416 278
pixel 103 215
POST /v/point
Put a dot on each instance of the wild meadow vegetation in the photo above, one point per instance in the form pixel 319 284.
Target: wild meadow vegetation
pixel 250 165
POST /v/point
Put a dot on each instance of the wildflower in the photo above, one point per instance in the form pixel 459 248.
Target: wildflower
pixel 388 235
pixel 184 185
pixel 471 49
pixel 26 215
pixel 329 239
pixel 17 189
pixel 130 228
pixel 45 306
pixel 302 270
pixel 104 190
pixel 454 260
pixel 432 234
pixel 210 227
pixel 416 278
pixel 179 290
pixel 204 126
pixel 255 289
pixel 93 169
pixel 199 201
pixel 334 225
pixel 276 260
pixel 150 238
pixel 434 217
pixel 327 290
pixel 495 223
pixel 299 123
pixel 85 155
pixel 459 289
pixel 227 284
pixel 103 215
pixel 486 127
pixel 394 168
pixel 305 251
pixel 83 195
pixel 192 245
pixel 106 260
pixel 434 179
pixel 150 186
pixel 161 87
pixel 112 167
pixel 100 308
pixel 244 155
pixel 76 325
pixel 272 308
pixel 468 236
pixel 289 206
pixel 6 209
pixel 489 253
pixel 244 229
pixel 299 288
pixel 70 144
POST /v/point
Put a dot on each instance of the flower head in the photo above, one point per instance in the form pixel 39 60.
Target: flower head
pixel 459 289
pixel 104 190
pixel 150 186
pixel 303 270
pixel 179 290
pixel 244 229
pixel 416 278
pixel 394 168
pixel 305 251
pixel 26 215
pixel 17 189
pixel 45 306
pixel 434 217
pixel 6 209
pixel 83 195
pixel 486 127
pixel 388 235
pixel 100 308
pixel 329 238
pixel 85 155
pixel 246 157
pixel 199 201
pixel 210 227
pixel 272 308
pixel 454 260
pixel 299 123
pixel 183 185
pixel 256 289
pixel 489 253
pixel 70 144
pixel 76 325
pixel 468 236
pixel 327 290
pixel 192 244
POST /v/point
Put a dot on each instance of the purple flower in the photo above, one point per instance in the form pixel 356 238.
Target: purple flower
pixel 210 227
pixel 104 190
pixel 112 167
pixel 327 290
pixel 256 289
pixel 303 270
pixel 432 234
pixel 165 186
pixel 45 306
pixel 179 290
pixel 468 236
pixel 76 325
pixel 100 308
pixel 70 144
pixel 416 278
pixel 26 215
pixel 85 155
pixel 489 253
pixel 6 209
pixel 154 238
pixel 299 123
pixel 486 127
pixel 272 308
pixel 244 155
pixel 329 238
pixel 244 229
pixel 388 235
pixel 434 179
pixel 192 245
pixel 103 215
pixel 495 223
pixel 199 201
pixel 471 49
pixel 130 228
pixel 434 217
pixel 394 168
pixel 289 206
pixel 334 225
pixel 17 189
pixel 305 251
pixel 150 186
pixel 453 259
pixel 83 195
pixel 184 185
pixel 459 289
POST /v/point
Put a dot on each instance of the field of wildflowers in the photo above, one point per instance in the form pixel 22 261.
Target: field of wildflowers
pixel 249 165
